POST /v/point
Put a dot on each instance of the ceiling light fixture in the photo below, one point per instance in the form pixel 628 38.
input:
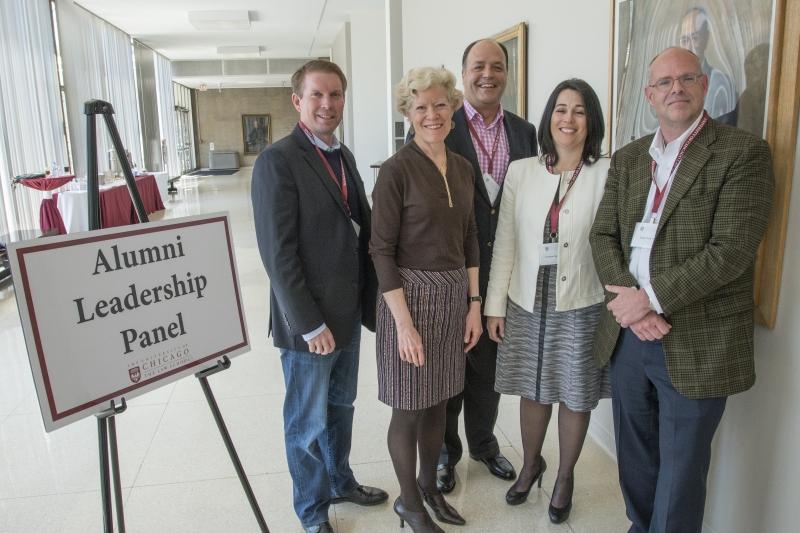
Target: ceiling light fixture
pixel 239 50
pixel 231 20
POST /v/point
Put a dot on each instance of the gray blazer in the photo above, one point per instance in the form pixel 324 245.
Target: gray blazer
pixel 319 269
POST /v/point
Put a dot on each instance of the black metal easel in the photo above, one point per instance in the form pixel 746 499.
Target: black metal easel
pixel 106 425
pixel 202 376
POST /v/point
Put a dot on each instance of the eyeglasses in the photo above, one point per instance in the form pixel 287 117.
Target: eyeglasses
pixel 663 85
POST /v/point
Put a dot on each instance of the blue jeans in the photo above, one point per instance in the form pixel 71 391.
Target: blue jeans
pixel 663 440
pixel 318 425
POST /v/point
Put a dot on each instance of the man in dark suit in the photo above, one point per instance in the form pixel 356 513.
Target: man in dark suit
pixel 489 137
pixel 674 242
pixel 313 226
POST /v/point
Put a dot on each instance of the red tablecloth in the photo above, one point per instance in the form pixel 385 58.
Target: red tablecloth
pixel 50 220
pixel 116 206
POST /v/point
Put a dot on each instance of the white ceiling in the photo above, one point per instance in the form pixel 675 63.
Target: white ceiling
pixel 282 28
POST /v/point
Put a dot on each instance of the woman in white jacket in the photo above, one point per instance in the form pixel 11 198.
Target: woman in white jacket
pixel 544 298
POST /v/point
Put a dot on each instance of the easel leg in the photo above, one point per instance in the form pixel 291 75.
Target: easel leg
pixel 115 475
pixel 226 437
pixel 109 466
pixel 105 488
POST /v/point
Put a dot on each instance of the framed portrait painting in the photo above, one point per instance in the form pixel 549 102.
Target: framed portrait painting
pixel 256 133
pixel 515 40
pixel 750 52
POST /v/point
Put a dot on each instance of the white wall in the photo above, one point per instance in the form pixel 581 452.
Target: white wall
pixel 566 39
pixel 394 66
pixel 755 475
pixel 369 85
pixel 340 54
pixel 755 478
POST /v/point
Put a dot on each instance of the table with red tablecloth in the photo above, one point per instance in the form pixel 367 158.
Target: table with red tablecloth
pixel 116 206
pixel 50 220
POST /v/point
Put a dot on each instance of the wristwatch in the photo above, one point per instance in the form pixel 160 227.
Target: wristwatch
pixel 471 299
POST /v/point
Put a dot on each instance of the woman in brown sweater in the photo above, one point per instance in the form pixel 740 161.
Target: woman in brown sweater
pixel 425 249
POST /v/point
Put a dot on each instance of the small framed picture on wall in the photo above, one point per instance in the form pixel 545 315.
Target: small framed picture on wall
pixel 256 133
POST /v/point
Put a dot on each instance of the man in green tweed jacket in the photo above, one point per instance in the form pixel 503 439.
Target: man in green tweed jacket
pixel 674 242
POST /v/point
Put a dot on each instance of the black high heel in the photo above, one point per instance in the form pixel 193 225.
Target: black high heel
pixel 444 511
pixel 420 521
pixel 559 514
pixel 514 497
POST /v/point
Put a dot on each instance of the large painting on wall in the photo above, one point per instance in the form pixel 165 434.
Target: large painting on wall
pixel 732 39
pixel 750 51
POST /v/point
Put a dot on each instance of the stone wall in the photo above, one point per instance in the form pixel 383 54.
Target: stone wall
pixel 219 117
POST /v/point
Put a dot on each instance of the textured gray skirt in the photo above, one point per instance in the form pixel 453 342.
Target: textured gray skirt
pixel 546 355
pixel 438 305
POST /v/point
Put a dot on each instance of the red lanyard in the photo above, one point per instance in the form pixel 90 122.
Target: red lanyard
pixel 659 196
pixel 555 207
pixel 483 148
pixel 341 185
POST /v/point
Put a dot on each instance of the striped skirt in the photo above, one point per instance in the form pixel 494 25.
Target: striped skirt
pixel 438 305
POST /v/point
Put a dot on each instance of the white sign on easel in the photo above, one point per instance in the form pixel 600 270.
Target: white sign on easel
pixel 122 311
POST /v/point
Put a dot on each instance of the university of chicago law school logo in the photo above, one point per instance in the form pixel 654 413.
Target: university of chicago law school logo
pixel 135 374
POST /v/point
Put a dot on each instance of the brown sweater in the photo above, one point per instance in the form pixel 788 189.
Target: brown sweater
pixel 412 223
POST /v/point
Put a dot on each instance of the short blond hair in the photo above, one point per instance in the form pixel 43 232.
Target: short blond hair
pixel 421 79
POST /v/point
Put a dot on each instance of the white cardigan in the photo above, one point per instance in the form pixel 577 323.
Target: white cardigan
pixel 527 195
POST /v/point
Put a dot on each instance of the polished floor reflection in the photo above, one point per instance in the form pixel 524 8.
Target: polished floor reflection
pixel 176 475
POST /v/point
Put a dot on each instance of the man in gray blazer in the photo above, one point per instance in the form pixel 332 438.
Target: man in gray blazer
pixel 313 226
pixel 489 137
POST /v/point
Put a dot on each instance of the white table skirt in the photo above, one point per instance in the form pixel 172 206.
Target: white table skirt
pixel 162 180
pixel 74 205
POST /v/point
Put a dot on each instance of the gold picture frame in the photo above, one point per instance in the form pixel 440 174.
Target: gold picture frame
pixel 515 97
pixel 779 123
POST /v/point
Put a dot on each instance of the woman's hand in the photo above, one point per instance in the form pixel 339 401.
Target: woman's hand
pixel 496 326
pixel 473 328
pixel 409 345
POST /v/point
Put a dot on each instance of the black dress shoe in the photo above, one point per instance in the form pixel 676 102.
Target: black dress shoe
pixel 446 478
pixel 444 511
pixel 514 497
pixel 324 527
pixel 499 466
pixel 363 495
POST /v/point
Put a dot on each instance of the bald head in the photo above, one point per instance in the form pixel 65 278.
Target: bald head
pixel 695 31
pixel 483 42
pixel 676 90
pixel 671 55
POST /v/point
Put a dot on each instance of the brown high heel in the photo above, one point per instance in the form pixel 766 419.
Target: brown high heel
pixel 420 521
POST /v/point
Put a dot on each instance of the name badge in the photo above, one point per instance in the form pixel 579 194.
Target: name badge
pixel 548 254
pixel 491 186
pixel 643 235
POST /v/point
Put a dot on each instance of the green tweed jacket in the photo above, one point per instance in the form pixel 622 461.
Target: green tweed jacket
pixel 701 264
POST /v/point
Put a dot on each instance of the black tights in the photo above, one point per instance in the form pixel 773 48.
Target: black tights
pixel 572 426
pixel 409 430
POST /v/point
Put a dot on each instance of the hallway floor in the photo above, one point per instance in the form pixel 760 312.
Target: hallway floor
pixel 176 474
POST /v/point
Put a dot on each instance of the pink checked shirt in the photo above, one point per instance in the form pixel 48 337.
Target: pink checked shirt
pixel 487 137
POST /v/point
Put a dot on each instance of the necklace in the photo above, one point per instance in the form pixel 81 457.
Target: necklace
pixel 443 172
